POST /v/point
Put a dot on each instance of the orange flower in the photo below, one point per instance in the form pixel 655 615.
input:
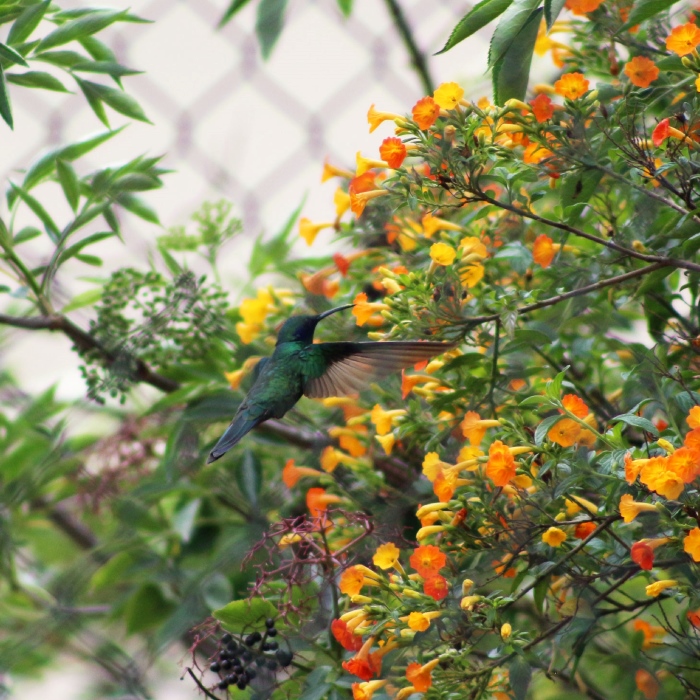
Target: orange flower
pixel 651 632
pixel 661 132
pixel 364 665
pixel 630 509
pixel 409 381
pixel 542 108
pixel 351 581
pixel 573 404
pixel 425 112
pixel 543 251
pixel 642 554
pixel 565 432
pixel 317 501
pixel 444 485
pixel 359 201
pixel 691 543
pixel 683 40
pixel 500 467
pixel 420 676
pixel 571 86
pixel 693 418
pixel 694 618
pixel 365 691
pixel 392 152
pixel 346 639
pixel 583 7
pixel 554 537
pixel 435 587
pixel 692 439
pixel 656 476
pixel 472 429
pixel 641 71
pixel 685 463
pixel 427 560
pixel 291 473
pixel 584 529
pixel 646 683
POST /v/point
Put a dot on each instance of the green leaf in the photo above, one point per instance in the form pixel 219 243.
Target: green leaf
pixel 5 106
pixel 553 388
pixel 37 79
pixel 98 50
pixel 652 281
pixel 146 609
pixel 92 296
pixel 552 9
pixel 516 16
pixel 27 22
pixel 543 428
pixel 519 675
pixel 170 262
pixel 77 247
pixel 345 7
pixel 269 24
pixel 62 59
pixel 512 72
pixel 137 206
pixel 79 28
pixel 643 10
pixel 239 615
pixel 540 593
pixel 231 10
pixel 5 237
pixel 114 70
pixel 89 260
pixel 118 100
pixel 69 183
pixel 26 234
pixel 12 55
pixel 94 101
pixel 39 210
pixel 249 477
pixel 637 422
pixel 479 16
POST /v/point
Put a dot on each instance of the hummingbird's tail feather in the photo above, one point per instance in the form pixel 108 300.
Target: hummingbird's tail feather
pixel 240 426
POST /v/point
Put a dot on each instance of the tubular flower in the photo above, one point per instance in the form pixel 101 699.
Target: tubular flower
pixel 506 631
pixel 642 552
pixel 410 381
pixel 344 636
pixel 694 618
pixel 234 378
pixel 308 230
pixel 444 485
pixel 341 200
pixel 583 7
pixel 685 463
pixel 432 224
pixel 436 587
pixel 429 530
pixel 692 439
pixel 565 432
pixel 359 200
pixel 385 420
pixel 354 578
pixel 542 108
pixel 291 473
pixel 442 254
pixel 365 164
pixel 571 86
pixel 427 560
pixel 365 691
pixel 425 112
pixel 683 40
pixel 693 418
pixel 330 171
pixel 420 676
pixel 584 529
pixel 364 310
pixel 418 621
pixel 468 602
pixel 375 118
pixel 474 428
pixel 573 404
pixel 393 151
pixel 641 71
pixel 651 633
pixel 656 476
pixel 655 589
pixel 386 556
pixel 317 501
pixel 691 544
pixel 363 664
pixel 664 130
pixel 448 95
pixel 630 509
pixel 500 467
pixel 633 467
pixel 554 537
pixel 432 466
pixel 387 442
pixel 647 684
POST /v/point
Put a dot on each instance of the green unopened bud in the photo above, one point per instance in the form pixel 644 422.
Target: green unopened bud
pixel 687 62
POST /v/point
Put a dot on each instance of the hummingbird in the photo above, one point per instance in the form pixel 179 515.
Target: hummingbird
pixel 299 367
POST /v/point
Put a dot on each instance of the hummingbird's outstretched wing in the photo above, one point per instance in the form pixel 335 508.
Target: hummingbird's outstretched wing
pixel 339 369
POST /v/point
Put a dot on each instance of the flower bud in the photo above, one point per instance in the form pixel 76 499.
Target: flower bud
pixel 506 631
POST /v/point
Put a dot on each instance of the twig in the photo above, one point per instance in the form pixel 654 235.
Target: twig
pixel 199 685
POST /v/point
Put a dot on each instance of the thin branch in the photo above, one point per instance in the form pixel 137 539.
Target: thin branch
pixel 418 61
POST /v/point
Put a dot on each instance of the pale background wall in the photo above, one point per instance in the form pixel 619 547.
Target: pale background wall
pixel 231 126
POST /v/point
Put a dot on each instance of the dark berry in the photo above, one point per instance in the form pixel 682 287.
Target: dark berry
pixel 253 639
pixel 226 665
pixel 241 684
pixel 222 685
pixel 226 638
pixel 269 623
pixel 266 646
pixel 271 664
pixel 232 647
pixel 232 679
pixel 223 656
pixel 284 657
pixel 273 646
pixel 251 672
pixel 214 668
pixel 238 668
pixel 246 655
pixel 272 632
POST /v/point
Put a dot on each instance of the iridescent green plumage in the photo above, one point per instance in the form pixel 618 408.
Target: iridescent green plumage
pixel 298 367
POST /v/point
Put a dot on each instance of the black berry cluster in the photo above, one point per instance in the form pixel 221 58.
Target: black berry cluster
pixel 240 658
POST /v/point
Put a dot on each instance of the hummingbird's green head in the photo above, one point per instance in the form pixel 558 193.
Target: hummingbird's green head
pixel 300 329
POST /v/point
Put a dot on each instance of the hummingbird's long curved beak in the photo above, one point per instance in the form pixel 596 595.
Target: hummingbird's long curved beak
pixel 320 317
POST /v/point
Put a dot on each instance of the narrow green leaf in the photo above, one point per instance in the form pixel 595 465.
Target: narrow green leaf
pixel 345 7
pixel 5 105
pixel 231 10
pixel 62 59
pixel 269 24
pixel 92 296
pixel 5 238
pixel 519 675
pixel 94 101
pixel 637 422
pixel 89 260
pixel 37 79
pixel 81 27
pixel 38 210
pixel 543 428
pixel 114 70
pixel 118 100
pixel 26 234
pixel 479 16
pixel 552 9
pixel 69 183
pixel 27 22
pixel 170 262
pixel 12 55
pixel 98 50
pixel 240 615
pixel 81 148
pixel 137 206
pixel 652 282
pixel 512 72
pixel 643 10
pixel 516 16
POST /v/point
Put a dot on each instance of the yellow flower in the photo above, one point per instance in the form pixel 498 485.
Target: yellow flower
pixel 429 530
pixel 471 275
pixel 554 537
pixel 419 622
pixel 247 332
pixel 365 164
pixel 386 441
pixel 691 543
pixel 654 589
pixel 630 509
pixel 384 420
pixel 289 539
pixel 341 199
pixel 433 224
pixel 448 95
pixel 375 118
pixel 442 254
pixel 386 556
pixel 432 465
pixel 308 230
pixel 364 691
pixel 506 631
pixel 330 171
pixel 468 602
